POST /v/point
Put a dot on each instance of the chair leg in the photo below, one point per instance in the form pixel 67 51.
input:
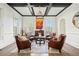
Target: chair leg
pixel 48 47
pixel 30 48
pixel 60 51
pixel 18 50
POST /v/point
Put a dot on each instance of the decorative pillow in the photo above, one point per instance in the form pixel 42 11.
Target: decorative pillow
pixel 19 38
pixel 24 38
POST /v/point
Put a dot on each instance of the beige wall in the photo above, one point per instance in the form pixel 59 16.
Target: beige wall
pixel 30 22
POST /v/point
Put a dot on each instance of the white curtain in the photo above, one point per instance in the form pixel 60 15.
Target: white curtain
pixel 49 24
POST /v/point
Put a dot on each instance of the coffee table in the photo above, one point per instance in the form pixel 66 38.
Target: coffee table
pixel 40 39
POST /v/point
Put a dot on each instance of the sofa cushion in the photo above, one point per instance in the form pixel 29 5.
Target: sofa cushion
pixel 24 38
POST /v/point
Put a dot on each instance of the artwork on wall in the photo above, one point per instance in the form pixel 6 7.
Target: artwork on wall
pixel 75 20
pixel 39 23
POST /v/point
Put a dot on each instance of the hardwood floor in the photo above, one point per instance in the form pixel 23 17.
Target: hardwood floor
pixel 37 50
pixel 71 50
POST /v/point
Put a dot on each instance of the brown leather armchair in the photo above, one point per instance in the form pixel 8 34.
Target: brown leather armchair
pixel 57 44
pixel 32 37
pixel 22 44
pixel 50 36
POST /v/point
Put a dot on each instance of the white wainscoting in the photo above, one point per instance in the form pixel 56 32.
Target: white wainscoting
pixel 8 38
pixel 73 39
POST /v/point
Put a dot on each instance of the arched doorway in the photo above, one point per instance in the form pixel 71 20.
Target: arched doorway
pixel 62 27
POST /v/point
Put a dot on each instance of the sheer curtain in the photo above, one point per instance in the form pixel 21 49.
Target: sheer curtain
pixel 29 25
pixel 49 24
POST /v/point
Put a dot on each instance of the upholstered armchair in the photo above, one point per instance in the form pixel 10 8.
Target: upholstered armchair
pixel 57 43
pixel 50 36
pixel 22 44
pixel 32 37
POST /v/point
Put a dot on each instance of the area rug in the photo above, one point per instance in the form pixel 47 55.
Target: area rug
pixel 29 53
pixel 38 50
pixel 55 52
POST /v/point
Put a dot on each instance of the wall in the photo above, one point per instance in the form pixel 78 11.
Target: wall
pixel 51 21
pixel 7 16
pixel 62 26
pixel 71 31
pixel 30 22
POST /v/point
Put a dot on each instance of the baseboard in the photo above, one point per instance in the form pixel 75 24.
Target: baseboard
pixel 7 46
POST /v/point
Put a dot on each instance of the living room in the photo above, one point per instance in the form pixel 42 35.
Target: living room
pixel 39 25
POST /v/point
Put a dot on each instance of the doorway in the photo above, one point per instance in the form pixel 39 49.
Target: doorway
pixel 62 27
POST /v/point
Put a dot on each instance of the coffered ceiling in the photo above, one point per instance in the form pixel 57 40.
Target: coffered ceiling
pixel 41 9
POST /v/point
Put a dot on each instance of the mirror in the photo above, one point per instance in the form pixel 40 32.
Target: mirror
pixel 76 20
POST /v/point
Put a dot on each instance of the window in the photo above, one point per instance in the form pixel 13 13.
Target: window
pixel 49 24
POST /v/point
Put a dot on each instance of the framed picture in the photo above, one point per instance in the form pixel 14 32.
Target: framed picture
pixel 39 23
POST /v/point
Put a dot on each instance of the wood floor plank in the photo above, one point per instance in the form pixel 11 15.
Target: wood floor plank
pixel 67 51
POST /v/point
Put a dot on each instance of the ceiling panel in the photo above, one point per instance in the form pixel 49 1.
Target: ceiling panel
pixel 34 9
pixel 39 10
pixel 23 10
pixel 55 10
